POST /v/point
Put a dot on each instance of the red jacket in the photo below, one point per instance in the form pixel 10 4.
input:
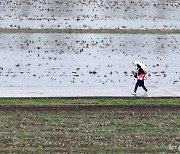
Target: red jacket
pixel 140 76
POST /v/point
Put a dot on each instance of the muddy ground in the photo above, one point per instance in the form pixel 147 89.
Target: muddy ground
pixel 91 108
pixel 89 129
pixel 111 31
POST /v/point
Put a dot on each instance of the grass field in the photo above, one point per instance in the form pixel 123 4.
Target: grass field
pixel 88 131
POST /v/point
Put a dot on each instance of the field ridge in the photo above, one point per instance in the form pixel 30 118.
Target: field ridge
pixel 111 31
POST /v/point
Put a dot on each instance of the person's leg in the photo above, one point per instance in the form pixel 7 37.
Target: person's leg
pixel 144 88
pixel 136 86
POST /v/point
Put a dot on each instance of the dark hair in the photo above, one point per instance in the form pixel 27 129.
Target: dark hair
pixel 138 66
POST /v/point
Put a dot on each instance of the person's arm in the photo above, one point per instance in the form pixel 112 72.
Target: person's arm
pixel 134 73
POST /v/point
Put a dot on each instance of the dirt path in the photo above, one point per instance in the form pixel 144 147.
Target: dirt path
pixel 111 31
pixel 92 108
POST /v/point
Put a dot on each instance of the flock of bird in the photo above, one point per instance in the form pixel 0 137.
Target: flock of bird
pixel 86 59
pixel 85 13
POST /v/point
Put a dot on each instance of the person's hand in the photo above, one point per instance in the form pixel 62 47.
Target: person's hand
pixel 133 72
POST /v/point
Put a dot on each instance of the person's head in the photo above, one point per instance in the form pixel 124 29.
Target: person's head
pixel 138 66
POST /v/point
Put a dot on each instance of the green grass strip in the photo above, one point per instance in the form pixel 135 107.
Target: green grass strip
pixel 92 101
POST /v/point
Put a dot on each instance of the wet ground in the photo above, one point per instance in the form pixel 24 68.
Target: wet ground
pixel 87 60
pixel 88 92
pixel 139 109
pixel 90 14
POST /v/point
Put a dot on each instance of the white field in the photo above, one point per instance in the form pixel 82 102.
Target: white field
pixel 90 14
pixel 34 59
pixel 88 59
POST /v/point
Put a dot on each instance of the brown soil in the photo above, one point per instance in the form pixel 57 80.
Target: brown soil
pixel 116 31
pixel 92 108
